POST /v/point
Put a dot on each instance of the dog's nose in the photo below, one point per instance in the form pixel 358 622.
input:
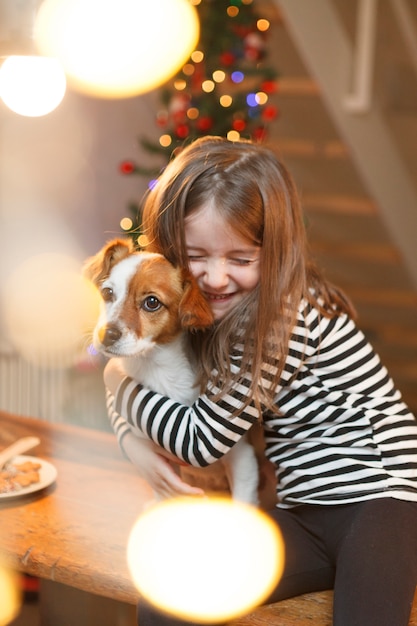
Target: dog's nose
pixel 108 335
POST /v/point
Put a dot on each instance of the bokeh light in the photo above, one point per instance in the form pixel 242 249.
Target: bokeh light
pixel 32 85
pixel 10 596
pixel 233 135
pixel 126 223
pixel 207 560
pixel 49 309
pixel 117 48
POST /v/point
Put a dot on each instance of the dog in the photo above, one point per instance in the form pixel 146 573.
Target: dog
pixel 147 307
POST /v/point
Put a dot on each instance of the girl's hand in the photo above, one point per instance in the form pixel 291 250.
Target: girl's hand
pixel 113 375
pixel 154 465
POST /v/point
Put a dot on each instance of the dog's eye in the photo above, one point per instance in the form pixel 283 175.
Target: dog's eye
pixel 107 294
pixel 151 304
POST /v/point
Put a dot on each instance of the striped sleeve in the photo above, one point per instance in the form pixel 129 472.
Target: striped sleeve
pixel 199 435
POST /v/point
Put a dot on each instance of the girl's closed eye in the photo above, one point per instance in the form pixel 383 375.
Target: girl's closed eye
pixel 243 261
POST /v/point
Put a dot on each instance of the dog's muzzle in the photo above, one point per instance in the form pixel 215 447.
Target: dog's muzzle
pixel 108 335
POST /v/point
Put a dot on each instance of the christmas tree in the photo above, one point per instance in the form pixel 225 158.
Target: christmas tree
pixel 223 89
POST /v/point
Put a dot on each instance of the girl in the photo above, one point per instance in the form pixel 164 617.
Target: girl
pixel 284 349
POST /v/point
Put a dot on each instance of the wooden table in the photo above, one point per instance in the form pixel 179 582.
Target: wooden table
pixel 74 532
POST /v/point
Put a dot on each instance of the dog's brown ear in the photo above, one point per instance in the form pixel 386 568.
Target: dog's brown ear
pixel 98 267
pixel 194 311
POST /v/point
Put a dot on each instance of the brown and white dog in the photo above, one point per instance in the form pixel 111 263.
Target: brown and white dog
pixel 147 305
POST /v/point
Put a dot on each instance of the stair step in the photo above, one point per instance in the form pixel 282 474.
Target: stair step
pixel 371 252
pixel 297 86
pixel 339 203
pixel 388 298
pixel 310 149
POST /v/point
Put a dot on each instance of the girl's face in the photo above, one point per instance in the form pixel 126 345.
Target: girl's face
pixel 226 265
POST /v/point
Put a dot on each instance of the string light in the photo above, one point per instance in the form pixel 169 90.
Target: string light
pixel 126 223
pixel 193 113
pixel 197 56
pixel 251 100
pixel 226 101
pixel 233 135
pixel 261 98
pixel 232 11
pixel 208 86
pixel 180 84
pixel 262 25
pixel 188 69
pixel 165 140
pixel 209 94
pixel 219 76
pixel 237 77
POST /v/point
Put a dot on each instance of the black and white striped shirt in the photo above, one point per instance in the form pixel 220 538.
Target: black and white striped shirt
pixel 343 433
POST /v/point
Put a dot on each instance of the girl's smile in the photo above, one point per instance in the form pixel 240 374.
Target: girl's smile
pixel 226 265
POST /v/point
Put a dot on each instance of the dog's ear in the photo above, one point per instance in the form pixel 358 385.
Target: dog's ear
pixel 98 267
pixel 194 311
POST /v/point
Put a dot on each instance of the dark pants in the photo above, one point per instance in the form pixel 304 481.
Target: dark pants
pixel 366 552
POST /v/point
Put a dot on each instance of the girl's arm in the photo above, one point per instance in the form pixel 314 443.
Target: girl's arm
pixel 198 435
pixel 153 463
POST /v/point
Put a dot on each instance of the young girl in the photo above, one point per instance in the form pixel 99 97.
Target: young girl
pixel 284 349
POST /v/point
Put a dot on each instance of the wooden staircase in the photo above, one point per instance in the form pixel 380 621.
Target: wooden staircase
pixel 362 249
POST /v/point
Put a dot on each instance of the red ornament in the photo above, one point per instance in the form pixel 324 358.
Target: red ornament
pixel 182 131
pixel 227 58
pixel 204 123
pixel 127 167
pixel 259 133
pixel 239 125
pixel 269 113
pixel 162 118
pixel 269 86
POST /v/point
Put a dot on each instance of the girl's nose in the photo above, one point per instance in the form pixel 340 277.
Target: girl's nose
pixel 215 274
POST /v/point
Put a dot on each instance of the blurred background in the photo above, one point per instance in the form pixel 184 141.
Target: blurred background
pixel 340 81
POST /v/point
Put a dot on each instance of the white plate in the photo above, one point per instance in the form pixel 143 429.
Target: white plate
pixel 47 475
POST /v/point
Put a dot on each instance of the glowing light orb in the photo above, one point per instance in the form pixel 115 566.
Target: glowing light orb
pixel 49 310
pixel 10 596
pixel 32 86
pixel 205 560
pixel 117 48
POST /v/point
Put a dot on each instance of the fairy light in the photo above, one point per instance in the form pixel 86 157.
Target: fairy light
pixel 219 76
pixel 165 140
pixel 226 101
pixel 251 100
pixel 262 25
pixel 180 84
pixel 261 97
pixel 126 223
pixel 197 56
pixel 232 11
pixel 233 135
pixel 188 69
pixel 193 113
pixel 237 77
pixel 142 241
pixel 208 86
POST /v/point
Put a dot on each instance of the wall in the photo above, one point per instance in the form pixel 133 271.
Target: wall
pixel 61 192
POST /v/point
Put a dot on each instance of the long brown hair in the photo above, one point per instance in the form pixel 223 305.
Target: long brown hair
pixel 257 196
